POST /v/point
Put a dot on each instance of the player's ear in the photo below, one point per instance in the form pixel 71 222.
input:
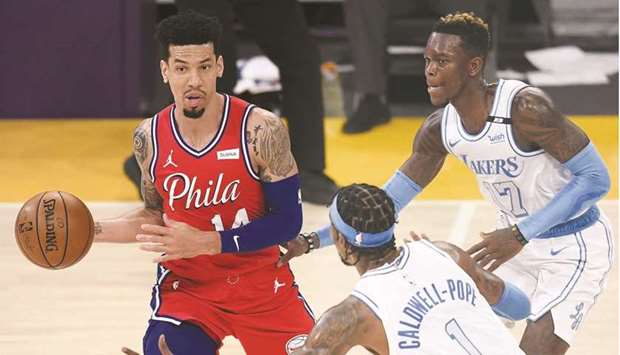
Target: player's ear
pixel 476 65
pixel 339 238
pixel 220 66
pixel 163 67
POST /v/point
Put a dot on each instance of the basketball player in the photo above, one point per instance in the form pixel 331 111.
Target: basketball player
pixel 538 168
pixel 422 298
pixel 221 192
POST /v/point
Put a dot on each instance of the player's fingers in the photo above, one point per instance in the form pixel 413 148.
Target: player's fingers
pixel 480 255
pixel 414 235
pixel 128 351
pixel 486 260
pixel 284 259
pixel 163 346
pixel 476 247
pixel 484 235
pixel 150 238
pixel 497 263
pixel 157 248
pixel 155 229
pixel 169 222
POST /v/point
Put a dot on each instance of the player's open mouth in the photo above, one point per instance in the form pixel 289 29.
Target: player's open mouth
pixel 193 100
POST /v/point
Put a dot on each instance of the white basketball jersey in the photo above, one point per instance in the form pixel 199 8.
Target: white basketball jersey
pixel 429 305
pixel 519 183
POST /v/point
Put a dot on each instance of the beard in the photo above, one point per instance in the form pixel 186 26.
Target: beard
pixel 193 113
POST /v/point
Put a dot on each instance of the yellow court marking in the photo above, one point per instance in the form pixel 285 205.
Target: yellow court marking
pixel 85 157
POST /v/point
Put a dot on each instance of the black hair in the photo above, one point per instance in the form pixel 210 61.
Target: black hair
pixel 367 209
pixel 474 32
pixel 186 28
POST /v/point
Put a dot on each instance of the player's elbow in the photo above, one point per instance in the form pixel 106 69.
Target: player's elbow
pixel 604 182
pixel 289 221
pixel 513 303
pixel 293 223
pixel 522 312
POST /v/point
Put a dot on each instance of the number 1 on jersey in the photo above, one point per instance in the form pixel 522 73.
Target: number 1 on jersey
pixel 241 218
pixel 454 330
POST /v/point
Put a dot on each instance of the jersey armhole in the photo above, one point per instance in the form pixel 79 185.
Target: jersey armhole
pixel 511 139
pixel 244 143
pixel 367 301
pixel 153 162
pixel 444 130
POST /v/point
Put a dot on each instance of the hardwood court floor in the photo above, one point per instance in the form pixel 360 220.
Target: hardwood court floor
pixel 101 304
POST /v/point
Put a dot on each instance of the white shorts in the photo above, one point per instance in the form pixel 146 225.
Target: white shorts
pixel 564 274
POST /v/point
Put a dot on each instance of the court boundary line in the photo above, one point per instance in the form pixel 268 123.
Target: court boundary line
pixel 462 223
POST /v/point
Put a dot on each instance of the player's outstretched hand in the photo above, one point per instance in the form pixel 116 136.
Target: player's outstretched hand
pixel 415 237
pixel 163 347
pixel 178 240
pixel 496 248
pixel 128 351
pixel 295 247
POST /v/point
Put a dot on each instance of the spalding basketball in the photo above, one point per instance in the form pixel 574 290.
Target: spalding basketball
pixel 54 229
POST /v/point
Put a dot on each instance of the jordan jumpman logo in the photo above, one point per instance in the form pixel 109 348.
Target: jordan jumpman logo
pixel 169 161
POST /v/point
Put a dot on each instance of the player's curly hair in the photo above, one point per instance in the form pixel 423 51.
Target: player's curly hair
pixel 368 209
pixel 474 32
pixel 186 28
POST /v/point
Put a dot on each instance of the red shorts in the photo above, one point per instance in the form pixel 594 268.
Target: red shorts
pixel 263 308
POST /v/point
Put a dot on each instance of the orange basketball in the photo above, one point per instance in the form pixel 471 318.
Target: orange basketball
pixel 54 229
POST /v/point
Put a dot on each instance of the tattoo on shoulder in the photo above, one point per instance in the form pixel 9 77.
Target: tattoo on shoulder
pixel 274 148
pixel 152 198
pixel 539 124
pixel 533 103
pixel 140 140
pixel 336 326
pixel 250 136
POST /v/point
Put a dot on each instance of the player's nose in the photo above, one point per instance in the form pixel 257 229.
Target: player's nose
pixel 430 69
pixel 195 80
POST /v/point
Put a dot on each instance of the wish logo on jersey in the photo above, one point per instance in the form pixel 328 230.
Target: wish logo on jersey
pixel 509 166
pixel 423 301
pixel 180 186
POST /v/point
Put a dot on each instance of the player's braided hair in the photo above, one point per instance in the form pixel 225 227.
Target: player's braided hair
pixel 474 32
pixel 368 209
pixel 186 28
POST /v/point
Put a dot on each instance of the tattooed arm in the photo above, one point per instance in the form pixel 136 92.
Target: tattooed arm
pixel 344 326
pixel 270 146
pixel 124 228
pixel 538 124
pixel 428 153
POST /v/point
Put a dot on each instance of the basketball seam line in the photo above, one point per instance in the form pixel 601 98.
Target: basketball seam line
pixel 64 253
pixel 37 227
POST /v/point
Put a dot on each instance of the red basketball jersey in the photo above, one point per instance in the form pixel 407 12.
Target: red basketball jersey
pixel 213 188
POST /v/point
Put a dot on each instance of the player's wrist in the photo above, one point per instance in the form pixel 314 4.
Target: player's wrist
pixel 516 233
pixel 211 243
